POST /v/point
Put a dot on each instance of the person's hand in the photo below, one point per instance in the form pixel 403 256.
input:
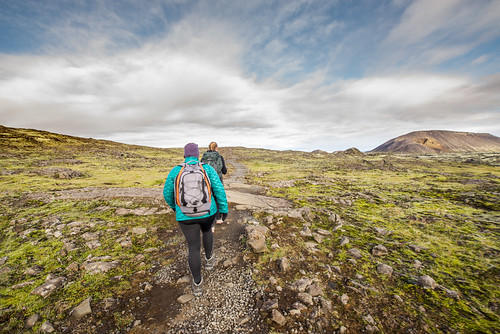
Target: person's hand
pixel 224 216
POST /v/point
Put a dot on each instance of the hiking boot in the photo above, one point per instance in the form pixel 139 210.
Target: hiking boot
pixel 219 221
pixel 209 265
pixel 197 288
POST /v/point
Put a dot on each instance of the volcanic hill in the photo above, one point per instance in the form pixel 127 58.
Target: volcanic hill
pixel 441 141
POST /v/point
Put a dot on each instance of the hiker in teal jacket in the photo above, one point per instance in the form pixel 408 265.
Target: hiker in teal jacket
pixel 191 226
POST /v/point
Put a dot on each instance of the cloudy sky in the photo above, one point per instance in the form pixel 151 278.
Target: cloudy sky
pixel 292 74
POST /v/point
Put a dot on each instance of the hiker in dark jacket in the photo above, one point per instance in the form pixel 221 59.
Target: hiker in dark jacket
pixel 191 226
pixel 216 160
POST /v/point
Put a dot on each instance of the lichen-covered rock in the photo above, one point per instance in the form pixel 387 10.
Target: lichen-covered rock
pixel 379 250
pixel 384 269
pixel 427 282
pixel 314 290
pixel 100 267
pixel 283 264
pixel 300 285
pixel 48 287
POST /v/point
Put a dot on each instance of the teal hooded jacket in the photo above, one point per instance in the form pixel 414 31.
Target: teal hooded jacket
pixel 217 189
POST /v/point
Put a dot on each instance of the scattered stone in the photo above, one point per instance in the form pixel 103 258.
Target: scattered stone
pixel 427 282
pixel 88 236
pixel 244 320
pixel 449 293
pixel 323 232
pixel 379 250
pixel 384 269
pixel 278 318
pixel 33 271
pixel 139 230
pixel 148 287
pixel 125 242
pixel 305 232
pixel 334 218
pixel 305 298
pixel 344 241
pixel 63 252
pixel 311 246
pixel 299 306
pixel 93 244
pixel 144 211
pixel 326 305
pixel 318 238
pixel 151 250
pixel 31 321
pixel 257 241
pixel 398 298
pixel 356 253
pixel 337 269
pixel 416 248
pixel 369 319
pixel 47 327
pixel 314 290
pixel 22 285
pixel 136 323
pixel 269 305
pixel 342 330
pixel 300 285
pixel 382 231
pixel 344 299
pixel 417 264
pixel 93 268
pixel 3 260
pixel 48 287
pixel 109 302
pixel 185 298
pixel 82 310
pixel 283 264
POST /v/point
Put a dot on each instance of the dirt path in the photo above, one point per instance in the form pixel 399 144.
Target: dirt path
pixel 228 301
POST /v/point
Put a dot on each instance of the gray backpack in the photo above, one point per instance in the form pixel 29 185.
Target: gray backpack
pixel 193 191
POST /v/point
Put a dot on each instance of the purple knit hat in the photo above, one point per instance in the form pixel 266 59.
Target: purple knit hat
pixel 191 150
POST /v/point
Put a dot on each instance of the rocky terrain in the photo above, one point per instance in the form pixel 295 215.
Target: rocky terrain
pixel 314 243
pixel 439 141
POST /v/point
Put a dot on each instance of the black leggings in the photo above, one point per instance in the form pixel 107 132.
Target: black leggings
pixel 191 229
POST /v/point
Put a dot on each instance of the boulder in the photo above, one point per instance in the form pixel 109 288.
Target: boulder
pixel 82 310
pixel 257 241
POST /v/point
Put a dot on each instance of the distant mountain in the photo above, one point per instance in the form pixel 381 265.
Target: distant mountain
pixel 441 141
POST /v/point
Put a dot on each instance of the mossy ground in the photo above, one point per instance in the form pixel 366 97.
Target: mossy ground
pixel 446 205
pixel 24 223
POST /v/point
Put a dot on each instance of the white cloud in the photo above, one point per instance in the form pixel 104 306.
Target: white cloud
pixel 431 32
pixel 189 82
